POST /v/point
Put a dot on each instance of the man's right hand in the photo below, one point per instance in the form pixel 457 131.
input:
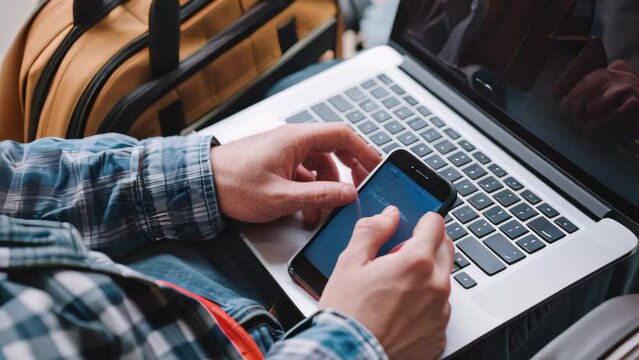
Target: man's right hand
pixel 402 297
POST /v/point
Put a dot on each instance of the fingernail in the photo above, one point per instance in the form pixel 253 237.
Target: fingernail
pixel 348 192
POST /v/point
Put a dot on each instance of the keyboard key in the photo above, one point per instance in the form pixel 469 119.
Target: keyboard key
pixel 437 122
pixel 465 280
pixel 546 230
pixel 381 116
pixel 466 145
pixel 368 105
pixel 368 127
pixel 390 147
pixel 394 127
pixel 513 229
pixel 385 79
pixel 450 174
pixel 379 93
pixel 480 201
pixel 326 113
pixel 423 110
pixel 447 218
pixel 398 90
pixel 547 210
pixel 454 269
pixel 465 187
pixel 523 212
pixel 481 256
pixel 356 94
pixel 465 214
pixel 435 162
pixel 417 124
pixel 299 118
pixel 458 202
pixel 513 184
pixel 407 138
pixel 411 100
pixel 340 103
pixel 421 150
pixel 431 135
pixel 530 197
pixel 497 215
pixel 530 243
pixel 445 147
pixel 355 116
pixel 481 228
pixel 455 231
pixel 368 84
pixel 460 260
pixel 566 225
pixel 490 184
pixel 459 159
pixel 474 171
pixel 380 138
pixel 481 157
pixel 390 102
pixel 497 170
pixel 506 197
pixel 403 113
pixel 504 249
pixel 452 133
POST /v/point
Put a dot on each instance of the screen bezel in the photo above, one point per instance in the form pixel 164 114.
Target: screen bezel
pixel 511 125
pixel 310 278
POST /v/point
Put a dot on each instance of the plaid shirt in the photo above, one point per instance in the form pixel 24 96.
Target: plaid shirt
pixel 66 206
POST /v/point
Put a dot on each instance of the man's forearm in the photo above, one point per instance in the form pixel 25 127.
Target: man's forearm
pixel 119 193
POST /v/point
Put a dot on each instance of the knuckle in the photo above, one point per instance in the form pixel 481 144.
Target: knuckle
pixel 367 223
pixel 421 264
pixel 442 291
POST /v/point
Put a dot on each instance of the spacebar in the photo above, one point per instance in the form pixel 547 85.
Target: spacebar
pixel 481 256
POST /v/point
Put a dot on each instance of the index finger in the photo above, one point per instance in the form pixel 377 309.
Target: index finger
pixel 333 137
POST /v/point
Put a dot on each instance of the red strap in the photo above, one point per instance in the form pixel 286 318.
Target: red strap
pixel 242 341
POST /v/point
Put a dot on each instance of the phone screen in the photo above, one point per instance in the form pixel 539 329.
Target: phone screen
pixel 388 186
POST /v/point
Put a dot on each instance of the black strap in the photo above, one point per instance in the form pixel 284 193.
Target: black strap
pixel 287 35
pixel 86 10
pixel 172 119
pixel 164 52
pixel 164 36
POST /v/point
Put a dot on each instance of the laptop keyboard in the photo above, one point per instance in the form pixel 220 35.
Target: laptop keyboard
pixel 496 222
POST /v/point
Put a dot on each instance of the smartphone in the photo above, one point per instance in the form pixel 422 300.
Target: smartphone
pixel 402 180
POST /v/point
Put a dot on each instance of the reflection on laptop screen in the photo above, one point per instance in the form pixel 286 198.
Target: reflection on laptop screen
pixel 565 70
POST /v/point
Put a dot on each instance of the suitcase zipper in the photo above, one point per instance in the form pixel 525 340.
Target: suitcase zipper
pixel 128 109
pixel 82 110
pixel 44 82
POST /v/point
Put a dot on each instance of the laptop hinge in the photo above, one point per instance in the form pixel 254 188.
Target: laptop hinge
pixel 528 157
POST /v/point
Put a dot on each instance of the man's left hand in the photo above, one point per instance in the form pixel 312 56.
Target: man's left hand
pixel 282 171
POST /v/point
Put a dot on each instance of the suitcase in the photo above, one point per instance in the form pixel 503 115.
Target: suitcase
pixel 152 67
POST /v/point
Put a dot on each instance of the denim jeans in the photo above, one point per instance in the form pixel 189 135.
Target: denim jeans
pixel 214 271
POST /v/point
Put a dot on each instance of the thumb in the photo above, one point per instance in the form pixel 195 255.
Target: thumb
pixel 372 232
pixel 320 194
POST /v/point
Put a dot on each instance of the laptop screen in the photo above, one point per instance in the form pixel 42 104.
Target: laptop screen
pixel 562 74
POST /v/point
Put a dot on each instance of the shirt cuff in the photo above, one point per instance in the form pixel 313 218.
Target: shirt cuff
pixel 333 335
pixel 178 189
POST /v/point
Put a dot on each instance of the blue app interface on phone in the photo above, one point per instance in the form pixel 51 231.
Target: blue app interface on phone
pixel 388 186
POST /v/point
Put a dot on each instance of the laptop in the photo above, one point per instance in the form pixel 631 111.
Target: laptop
pixel 485 119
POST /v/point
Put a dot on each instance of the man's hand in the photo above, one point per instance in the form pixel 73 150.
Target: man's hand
pixel 605 103
pixel 402 297
pixel 279 172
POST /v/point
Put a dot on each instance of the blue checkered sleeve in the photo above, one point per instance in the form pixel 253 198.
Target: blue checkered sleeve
pixel 120 193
